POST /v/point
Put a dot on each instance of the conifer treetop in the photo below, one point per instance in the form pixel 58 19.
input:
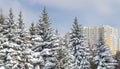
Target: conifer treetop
pixel 20 21
pixel 43 28
pixel 11 17
pixel 45 17
pixel 77 29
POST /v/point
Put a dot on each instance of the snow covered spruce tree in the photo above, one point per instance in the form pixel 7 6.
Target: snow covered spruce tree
pixel 30 59
pixel 2 30
pixel 45 42
pixel 2 27
pixel 20 26
pixel 103 57
pixel 11 50
pixel 79 47
pixel 13 45
pixel 65 60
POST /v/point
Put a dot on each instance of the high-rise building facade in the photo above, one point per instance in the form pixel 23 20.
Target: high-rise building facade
pixel 108 33
pixel 119 45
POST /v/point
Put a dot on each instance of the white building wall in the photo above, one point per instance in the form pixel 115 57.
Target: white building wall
pixel 107 32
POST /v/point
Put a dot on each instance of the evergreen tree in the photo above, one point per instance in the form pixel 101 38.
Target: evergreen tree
pixel 11 25
pixel 65 60
pixel 79 47
pixel 43 27
pixel 11 17
pixel 2 40
pixel 31 59
pixel 47 45
pixel 103 57
pixel 11 50
pixel 32 29
pixel 12 45
pixel 20 26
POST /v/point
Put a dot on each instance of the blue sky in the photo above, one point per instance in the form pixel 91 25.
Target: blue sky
pixel 63 12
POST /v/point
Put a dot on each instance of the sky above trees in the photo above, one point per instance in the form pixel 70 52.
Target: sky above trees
pixel 62 12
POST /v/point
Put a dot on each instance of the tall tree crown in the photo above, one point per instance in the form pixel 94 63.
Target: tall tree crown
pixel 11 17
pixel 77 29
pixel 79 48
pixel 43 28
pixel 20 21
pixel 45 17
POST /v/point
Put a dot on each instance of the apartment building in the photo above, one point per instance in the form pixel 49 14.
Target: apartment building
pixel 108 33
